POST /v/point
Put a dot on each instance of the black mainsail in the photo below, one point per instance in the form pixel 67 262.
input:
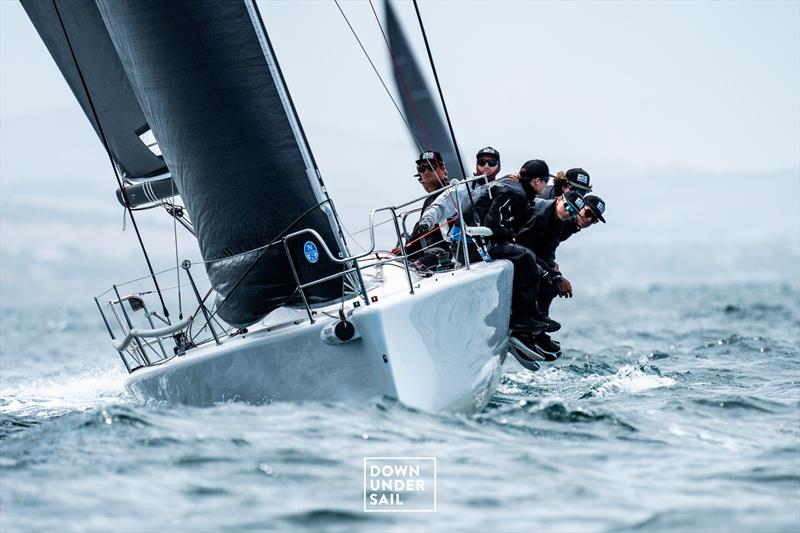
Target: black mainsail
pixel 420 107
pixel 207 82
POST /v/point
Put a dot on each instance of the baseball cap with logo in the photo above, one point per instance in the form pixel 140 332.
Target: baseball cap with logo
pixel 429 156
pixel 576 199
pixel 597 205
pixel 488 151
pixel 578 178
pixel 535 168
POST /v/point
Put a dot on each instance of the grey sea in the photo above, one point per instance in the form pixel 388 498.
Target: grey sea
pixel 672 408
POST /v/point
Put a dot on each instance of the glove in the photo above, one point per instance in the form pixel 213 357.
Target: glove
pixel 419 230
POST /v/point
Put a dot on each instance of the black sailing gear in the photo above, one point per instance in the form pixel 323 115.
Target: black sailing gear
pixel 502 206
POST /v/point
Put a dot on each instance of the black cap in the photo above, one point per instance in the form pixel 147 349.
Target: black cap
pixel 579 179
pixel 597 205
pixel 488 151
pixel 430 155
pixel 575 198
pixel 535 168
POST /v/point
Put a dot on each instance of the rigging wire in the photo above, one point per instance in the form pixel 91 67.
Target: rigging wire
pixel 410 99
pixel 372 64
pixel 177 270
pixel 447 115
pixel 104 140
pixel 438 86
pixel 402 79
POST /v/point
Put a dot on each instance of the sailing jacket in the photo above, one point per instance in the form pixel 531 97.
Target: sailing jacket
pixel 444 207
pixel 501 206
pixel 542 232
pixel 570 229
pixel 434 239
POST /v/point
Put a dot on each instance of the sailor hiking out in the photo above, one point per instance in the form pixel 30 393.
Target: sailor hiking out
pixel 502 206
pixel 591 214
pixel 574 179
pixel 541 233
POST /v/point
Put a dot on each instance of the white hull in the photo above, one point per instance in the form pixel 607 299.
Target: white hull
pixel 439 349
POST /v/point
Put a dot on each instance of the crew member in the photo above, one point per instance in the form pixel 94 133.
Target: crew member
pixel 432 175
pixel 487 163
pixel 502 206
pixel 592 213
pixel 542 233
pixel 574 179
pixel 444 209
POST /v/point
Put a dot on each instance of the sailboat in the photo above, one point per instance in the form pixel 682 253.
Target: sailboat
pixel 189 101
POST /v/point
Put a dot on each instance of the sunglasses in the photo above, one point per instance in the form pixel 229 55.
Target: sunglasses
pixel 571 209
pixel 589 215
pixel 423 168
pixel 487 162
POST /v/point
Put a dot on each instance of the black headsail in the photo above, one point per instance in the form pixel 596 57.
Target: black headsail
pixel 110 90
pixel 419 105
pixel 205 76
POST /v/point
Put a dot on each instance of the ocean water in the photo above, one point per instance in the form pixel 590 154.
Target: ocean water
pixel 672 408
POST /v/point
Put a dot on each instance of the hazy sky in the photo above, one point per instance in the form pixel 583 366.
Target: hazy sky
pixel 644 85
pixel 658 100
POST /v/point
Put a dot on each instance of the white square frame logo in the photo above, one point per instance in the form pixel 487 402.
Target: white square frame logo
pixel 391 510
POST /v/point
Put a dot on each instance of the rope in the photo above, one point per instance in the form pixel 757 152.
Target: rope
pixel 432 231
pixel 446 113
pixel 407 92
pixel 388 92
pixel 402 80
pixel 110 158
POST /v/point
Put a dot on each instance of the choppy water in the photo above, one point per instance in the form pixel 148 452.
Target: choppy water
pixel 672 408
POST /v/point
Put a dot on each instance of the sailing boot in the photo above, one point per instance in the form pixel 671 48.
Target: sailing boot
pixel 552 325
pixel 527 324
pixel 544 346
pixel 520 347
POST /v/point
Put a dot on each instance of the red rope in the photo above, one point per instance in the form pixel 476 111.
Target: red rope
pixel 431 231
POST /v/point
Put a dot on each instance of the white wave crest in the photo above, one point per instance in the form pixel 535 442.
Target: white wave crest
pixel 629 379
pixel 63 393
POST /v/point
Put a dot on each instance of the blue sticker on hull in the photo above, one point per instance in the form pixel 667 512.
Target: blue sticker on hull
pixel 311 252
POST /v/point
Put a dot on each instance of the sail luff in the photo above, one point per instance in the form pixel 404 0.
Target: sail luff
pixel 312 170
